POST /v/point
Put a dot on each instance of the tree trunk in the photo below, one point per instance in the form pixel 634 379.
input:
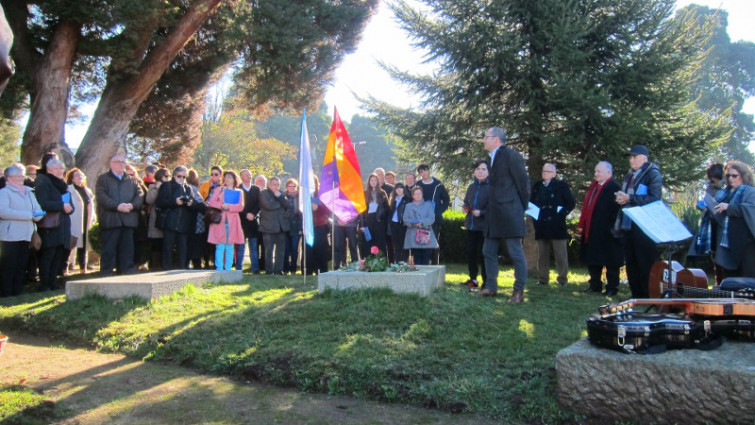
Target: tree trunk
pixel 49 95
pixel 121 99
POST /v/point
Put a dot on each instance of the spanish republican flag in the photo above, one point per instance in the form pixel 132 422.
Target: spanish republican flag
pixel 341 188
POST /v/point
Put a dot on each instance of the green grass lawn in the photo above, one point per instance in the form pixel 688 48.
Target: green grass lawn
pixel 452 350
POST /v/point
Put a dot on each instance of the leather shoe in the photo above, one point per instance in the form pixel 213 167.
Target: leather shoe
pixel 589 290
pixel 487 293
pixel 541 283
pixel 517 296
pixel 471 283
pixel 611 293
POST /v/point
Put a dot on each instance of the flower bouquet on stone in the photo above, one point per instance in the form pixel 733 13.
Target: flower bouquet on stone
pixel 376 261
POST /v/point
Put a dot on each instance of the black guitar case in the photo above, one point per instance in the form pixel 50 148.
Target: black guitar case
pixel 648 333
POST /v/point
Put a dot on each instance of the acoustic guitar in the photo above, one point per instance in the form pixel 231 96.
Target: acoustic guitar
pixel 675 278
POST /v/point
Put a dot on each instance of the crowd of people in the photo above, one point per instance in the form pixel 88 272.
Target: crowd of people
pixel 164 219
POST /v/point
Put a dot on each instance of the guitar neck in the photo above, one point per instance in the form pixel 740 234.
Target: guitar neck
pixel 693 292
pixel 714 307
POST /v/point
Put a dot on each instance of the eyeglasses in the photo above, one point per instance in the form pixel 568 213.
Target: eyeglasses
pixel 179 177
pixel 488 137
pixel 215 175
pixel 730 176
pixel 549 171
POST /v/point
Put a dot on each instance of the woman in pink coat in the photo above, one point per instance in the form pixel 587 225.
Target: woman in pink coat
pixel 228 232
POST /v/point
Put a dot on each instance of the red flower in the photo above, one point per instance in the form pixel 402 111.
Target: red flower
pixel 374 250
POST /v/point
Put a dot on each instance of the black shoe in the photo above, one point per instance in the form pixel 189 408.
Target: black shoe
pixel 541 283
pixel 589 290
pixel 610 293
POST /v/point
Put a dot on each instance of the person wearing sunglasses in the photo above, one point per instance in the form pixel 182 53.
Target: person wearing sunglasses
pixel 155 233
pixel 736 217
pixel 175 204
pixel 216 174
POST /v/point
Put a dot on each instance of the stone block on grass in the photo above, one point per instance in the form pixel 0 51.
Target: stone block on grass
pixel 147 285
pixel 424 281
pixel 678 386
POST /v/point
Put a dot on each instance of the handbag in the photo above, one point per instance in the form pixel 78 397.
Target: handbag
pixel 51 220
pixel 160 215
pixel 422 237
pixel 36 241
pixel 213 215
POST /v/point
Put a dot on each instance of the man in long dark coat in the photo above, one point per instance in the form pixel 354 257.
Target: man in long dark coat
pixel 509 196
pixel 599 246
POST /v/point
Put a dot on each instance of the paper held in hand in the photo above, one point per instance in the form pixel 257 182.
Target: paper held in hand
pixel 533 211
pixel 658 222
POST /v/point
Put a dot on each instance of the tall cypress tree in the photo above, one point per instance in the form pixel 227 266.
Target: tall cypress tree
pixel 573 82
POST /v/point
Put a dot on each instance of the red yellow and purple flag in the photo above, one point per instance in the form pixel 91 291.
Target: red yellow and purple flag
pixel 341 180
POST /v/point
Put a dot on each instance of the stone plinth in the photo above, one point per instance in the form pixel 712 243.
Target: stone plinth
pixel 679 386
pixel 423 281
pixel 147 285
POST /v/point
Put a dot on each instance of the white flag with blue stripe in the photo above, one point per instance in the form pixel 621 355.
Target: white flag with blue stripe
pixel 307 183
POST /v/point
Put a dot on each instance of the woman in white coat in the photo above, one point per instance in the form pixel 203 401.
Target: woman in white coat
pixel 82 219
pixel 18 211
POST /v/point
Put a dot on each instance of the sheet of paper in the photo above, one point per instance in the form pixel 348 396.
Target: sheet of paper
pixel 533 211
pixel 658 222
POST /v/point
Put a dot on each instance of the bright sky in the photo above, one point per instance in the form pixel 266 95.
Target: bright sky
pixel 384 41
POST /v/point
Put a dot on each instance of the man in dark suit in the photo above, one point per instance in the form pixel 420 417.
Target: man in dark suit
pixel 249 223
pixel 599 246
pixel 509 196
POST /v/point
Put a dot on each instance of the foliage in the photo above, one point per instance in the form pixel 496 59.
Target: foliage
pixel 571 82
pixel 95 238
pixel 10 133
pixel 725 79
pixel 232 143
pixel 22 405
pixel 369 344
pixel 376 261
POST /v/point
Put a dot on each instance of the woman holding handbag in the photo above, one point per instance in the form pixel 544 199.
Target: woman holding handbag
pixel 18 211
pixel 419 216
pixel 227 233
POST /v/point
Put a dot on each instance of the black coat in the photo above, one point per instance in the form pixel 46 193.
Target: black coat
pixel 476 198
pixel 50 200
pixel 509 195
pixel 251 205
pixel 178 218
pixel 604 249
pixel 551 223
pixel 110 191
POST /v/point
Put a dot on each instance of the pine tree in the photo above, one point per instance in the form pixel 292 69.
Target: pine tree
pixel 572 82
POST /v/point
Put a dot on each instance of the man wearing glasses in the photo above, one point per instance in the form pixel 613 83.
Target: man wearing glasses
pixel 642 185
pixel 555 200
pixel 119 198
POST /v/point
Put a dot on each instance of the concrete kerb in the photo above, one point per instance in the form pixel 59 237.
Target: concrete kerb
pixel 424 281
pixel 148 285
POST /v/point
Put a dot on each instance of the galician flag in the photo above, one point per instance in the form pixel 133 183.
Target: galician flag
pixel 341 180
pixel 307 184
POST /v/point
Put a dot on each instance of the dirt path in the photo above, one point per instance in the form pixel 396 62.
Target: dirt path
pixel 93 388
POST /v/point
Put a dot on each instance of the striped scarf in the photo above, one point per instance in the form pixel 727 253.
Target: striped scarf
pixel 734 199
pixel 704 233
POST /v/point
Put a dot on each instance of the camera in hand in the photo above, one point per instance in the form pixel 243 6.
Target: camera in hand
pixel 186 199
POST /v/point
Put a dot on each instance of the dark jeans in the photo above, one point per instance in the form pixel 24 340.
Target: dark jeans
pixel 340 237
pixel 319 254
pixel 117 250
pixel 640 256
pixel 398 233
pixel 291 254
pixel 421 256
pixel 50 262
pixel 180 240
pixel 475 241
pixel 13 259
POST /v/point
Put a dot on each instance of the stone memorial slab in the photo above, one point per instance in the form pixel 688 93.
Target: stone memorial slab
pixel 147 285
pixel 678 386
pixel 424 281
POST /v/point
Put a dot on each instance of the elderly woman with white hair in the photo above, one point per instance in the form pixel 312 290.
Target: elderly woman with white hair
pixel 55 229
pixel 18 211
